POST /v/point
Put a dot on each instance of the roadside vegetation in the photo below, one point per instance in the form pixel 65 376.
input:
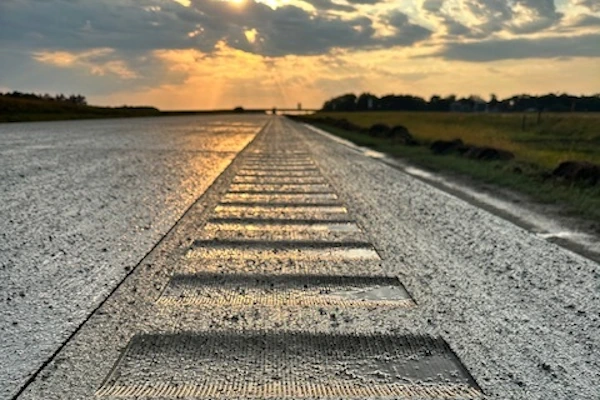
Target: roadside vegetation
pixel 551 157
pixel 29 107
pixel 24 107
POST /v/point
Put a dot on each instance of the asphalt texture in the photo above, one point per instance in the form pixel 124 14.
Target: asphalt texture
pixel 392 289
pixel 80 204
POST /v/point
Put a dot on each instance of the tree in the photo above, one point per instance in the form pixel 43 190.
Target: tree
pixel 367 101
pixel 345 102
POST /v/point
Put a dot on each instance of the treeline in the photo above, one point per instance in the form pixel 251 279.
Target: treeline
pixel 73 99
pixel 518 103
pixel 17 106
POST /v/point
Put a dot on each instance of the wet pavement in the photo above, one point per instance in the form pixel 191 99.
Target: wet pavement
pixel 306 271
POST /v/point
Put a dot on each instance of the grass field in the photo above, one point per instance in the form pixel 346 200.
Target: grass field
pixel 538 149
pixel 558 137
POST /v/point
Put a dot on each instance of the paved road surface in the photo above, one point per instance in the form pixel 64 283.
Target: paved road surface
pixel 81 203
pixel 309 271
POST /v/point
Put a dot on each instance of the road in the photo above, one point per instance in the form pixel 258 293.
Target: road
pixel 81 203
pixel 307 270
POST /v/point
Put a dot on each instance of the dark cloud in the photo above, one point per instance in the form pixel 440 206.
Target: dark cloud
pixel 406 32
pixel 516 16
pixel 550 47
pixel 586 20
pixel 138 25
pixel 433 5
pixel 544 16
pixel 493 13
pixel 328 5
pixel 498 15
pixel 79 24
pixel 455 28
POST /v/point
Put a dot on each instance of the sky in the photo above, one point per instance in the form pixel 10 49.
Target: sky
pixel 207 54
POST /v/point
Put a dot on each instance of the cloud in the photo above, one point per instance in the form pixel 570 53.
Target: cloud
pixel 175 49
pixel 433 5
pixel 593 5
pixel 146 25
pixel 80 24
pixel 97 62
pixel 533 16
pixel 328 5
pixel 370 2
pixel 484 18
pixel 405 32
pixel 548 47
pixel 585 20
pixel 63 73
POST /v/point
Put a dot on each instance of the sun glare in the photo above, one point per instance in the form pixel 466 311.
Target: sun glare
pixel 185 3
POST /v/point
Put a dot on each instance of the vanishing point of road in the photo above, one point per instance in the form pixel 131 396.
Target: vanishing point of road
pixel 250 257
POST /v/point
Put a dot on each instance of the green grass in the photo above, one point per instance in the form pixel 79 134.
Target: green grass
pixel 568 137
pixel 559 137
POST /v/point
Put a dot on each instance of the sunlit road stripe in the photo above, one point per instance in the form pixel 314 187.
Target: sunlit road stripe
pixel 252 233
pixel 280 203
pixel 281 163
pixel 278 153
pixel 282 249
pixel 284 209
pixel 284 187
pixel 280 221
pixel 290 227
pixel 277 161
pixel 268 167
pixel 279 179
pixel 289 365
pixel 262 252
pixel 252 172
pixel 276 165
pixel 235 290
pixel 294 391
pixel 288 200
pixel 291 197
